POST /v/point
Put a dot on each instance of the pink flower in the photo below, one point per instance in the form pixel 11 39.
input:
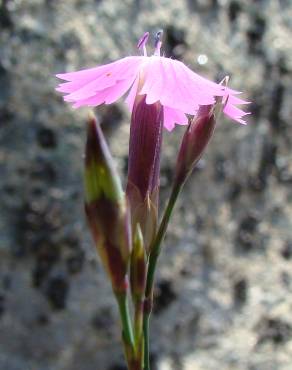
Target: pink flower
pixel 178 89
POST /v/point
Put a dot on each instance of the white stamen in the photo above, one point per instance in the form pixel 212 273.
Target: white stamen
pixel 142 43
pixel 158 43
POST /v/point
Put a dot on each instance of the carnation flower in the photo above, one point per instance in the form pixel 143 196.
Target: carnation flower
pixel 171 83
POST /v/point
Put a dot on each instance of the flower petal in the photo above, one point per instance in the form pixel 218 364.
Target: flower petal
pixel 180 90
pixel 170 82
pixel 107 96
pixel 234 112
pixel 130 99
pixel 235 100
pixel 172 117
pixel 85 84
pixel 153 81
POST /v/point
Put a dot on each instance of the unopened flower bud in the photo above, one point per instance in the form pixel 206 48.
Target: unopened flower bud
pixel 144 166
pixel 105 206
pixel 138 266
pixel 195 141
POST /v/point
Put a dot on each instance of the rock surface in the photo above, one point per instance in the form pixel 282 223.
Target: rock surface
pixel 225 280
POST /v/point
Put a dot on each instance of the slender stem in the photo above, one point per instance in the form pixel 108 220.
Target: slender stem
pixel 156 246
pixel 127 330
pixel 146 341
pixel 138 332
pixel 138 322
pixel 152 262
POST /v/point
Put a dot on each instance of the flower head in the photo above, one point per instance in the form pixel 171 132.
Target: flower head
pixel 178 89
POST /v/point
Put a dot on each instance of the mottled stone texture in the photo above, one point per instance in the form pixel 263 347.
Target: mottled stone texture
pixel 225 281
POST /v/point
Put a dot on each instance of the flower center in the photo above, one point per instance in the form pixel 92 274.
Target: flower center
pixel 157 43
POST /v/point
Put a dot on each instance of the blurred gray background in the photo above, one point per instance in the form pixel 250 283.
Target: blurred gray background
pixel 224 287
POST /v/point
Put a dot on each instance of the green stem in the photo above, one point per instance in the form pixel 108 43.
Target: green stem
pixel 138 332
pixel 138 322
pixel 146 341
pixel 156 246
pixel 127 330
pixel 152 262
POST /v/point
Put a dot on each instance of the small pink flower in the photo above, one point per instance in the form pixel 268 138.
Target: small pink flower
pixel 178 89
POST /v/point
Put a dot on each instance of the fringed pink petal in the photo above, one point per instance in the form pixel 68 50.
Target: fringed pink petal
pixel 119 90
pixel 77 80
pixel 196 92
pixel 85 84
pixel 152 84
pixel 240 120
pixel 107 96
pixel 172 117
pixel 88 74
pixel 130 99
pixel 174 93
pixel 81 78
pixel 234 112
pixel 221 90
pixel 93 101
pixel 175 86
pixel 69 87
pixel 166 80
pixel 234 100
pixel 202 84
pixel 161 83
